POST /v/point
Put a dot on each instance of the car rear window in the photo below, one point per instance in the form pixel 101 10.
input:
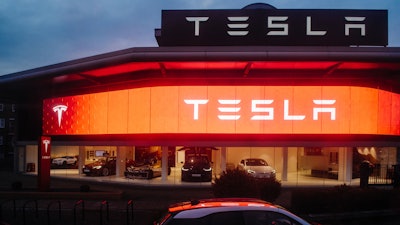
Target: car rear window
pixel 252 217
pixel 220 218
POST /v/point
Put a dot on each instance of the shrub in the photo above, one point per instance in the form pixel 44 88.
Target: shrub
pixel 269 188
pixel 234 183
pixel 237 183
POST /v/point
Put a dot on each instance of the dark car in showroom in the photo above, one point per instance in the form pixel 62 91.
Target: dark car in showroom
pixel 102 167
pixel 144 170
pixel 233 211
pixel 196 168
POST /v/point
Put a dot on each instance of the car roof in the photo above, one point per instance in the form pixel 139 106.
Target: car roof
pixel 200 208
pixel 219 202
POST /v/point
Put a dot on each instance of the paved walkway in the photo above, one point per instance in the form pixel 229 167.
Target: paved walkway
pixel 107 194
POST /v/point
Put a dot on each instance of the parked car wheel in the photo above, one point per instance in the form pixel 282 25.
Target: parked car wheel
pixel 105 172
pixel 150 176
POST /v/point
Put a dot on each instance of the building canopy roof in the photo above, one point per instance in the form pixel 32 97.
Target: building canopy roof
pixel 377 67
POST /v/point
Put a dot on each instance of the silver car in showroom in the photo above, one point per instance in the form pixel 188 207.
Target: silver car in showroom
pixel 257 168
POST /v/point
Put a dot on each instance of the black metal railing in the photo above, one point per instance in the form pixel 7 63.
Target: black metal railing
pixel 67 212
pixel 382 175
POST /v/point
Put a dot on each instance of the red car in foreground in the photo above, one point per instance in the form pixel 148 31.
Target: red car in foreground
pixel 232 211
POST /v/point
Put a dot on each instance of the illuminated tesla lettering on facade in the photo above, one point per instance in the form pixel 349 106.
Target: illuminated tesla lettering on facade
pixel 268 110
pixel 226 110
pixel 230 109
pixel 316 111
pixel 59 109
pixel 278 25
pixel 196 104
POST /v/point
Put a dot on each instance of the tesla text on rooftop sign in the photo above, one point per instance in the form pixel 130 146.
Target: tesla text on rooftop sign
pixel 273 27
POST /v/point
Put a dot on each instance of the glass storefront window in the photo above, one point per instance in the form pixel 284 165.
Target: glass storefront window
pixel 295 166
pixel 64 160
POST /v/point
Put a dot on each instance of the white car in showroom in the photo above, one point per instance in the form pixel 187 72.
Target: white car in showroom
pixel 64 160
pixel 257 168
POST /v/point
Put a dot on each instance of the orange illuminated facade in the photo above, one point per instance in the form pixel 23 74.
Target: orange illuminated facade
pixel 226 110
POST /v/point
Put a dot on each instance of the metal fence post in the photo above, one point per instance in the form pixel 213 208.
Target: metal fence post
pixel 82 203
pixel 104 203
pixel 24 207
pixel 129 206
pixel 14 208
pixel 48 211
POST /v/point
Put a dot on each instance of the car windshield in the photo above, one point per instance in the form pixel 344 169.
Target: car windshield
pixel 110 159
pixel 256 162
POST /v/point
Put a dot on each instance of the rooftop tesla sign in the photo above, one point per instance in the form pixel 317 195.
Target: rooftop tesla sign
pixel 273 27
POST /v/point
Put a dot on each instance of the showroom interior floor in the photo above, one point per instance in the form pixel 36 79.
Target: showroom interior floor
pixel 293 179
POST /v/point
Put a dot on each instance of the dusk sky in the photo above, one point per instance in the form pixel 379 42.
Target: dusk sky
pixel 36 33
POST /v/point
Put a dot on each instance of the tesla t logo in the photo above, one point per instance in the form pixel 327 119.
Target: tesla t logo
pixel 46 145
pixel 59 109
pixel 229 109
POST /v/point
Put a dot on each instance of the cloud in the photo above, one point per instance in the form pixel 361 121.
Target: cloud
pixel 38 33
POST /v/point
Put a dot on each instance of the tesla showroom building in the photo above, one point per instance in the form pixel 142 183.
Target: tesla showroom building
pixel 312 92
